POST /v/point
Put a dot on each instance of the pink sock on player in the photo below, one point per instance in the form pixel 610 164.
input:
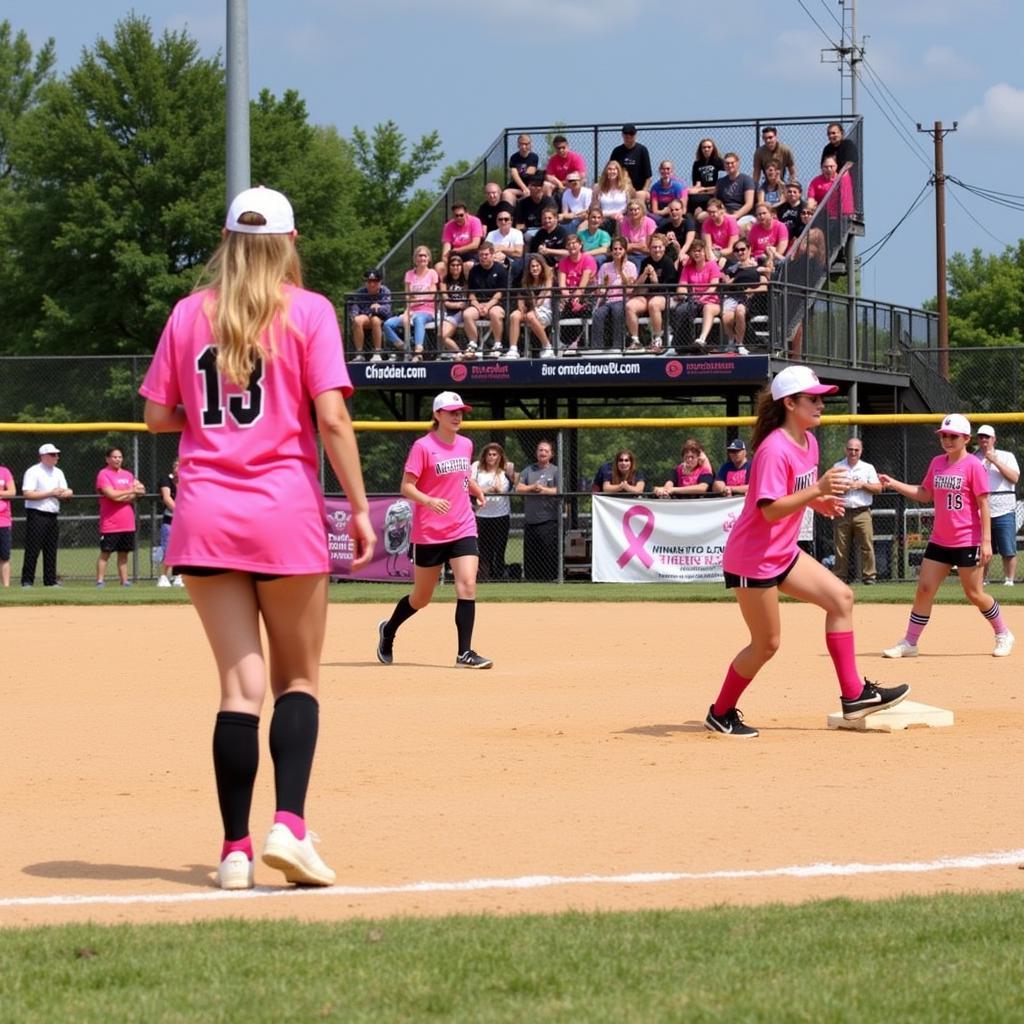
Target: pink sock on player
pixel 915 627
pixel 995 619
pixel 296 824
pixel 732 690
pixel 840 649
pixel 232 845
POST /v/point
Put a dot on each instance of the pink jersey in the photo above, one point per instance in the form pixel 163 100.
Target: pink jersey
pixel 701 282
pixel 249 493
pixel 638 235
pixel 5 506
pixel 574 271
pixel 458 236
pixel 115 516
pixel 424 285
pixel 759 238
pixel 955 487
pixel 720 233
pixel 560 166
pixel 608 277
pixel 757 548
pixel 442 471
pixel 842 202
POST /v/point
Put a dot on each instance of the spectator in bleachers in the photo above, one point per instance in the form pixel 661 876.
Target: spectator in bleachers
pixel 772 189
pixel 698 289
pixel 842 201
pixel 768 238
pixel 720 233
pixel 733 477
pixel 575 274
pixel 493 205
pixel 508 243
pixel 533 307
pixel 680 230
pixel 614 284
pixel 666 190
pixel 462 234
pixel 635 160
pixel 523 167
pixel 636 229
pixel 612 193
pixel 454 298
pixel 692 477
pixel 743 280
pixel 370 306
pixel 529 208
pixel 421 284
pixel 561 163
pixel 576 201
pixel 549 241
pixel 707 166
pixel 488 283
pixel 595 240
pixel 653 291
pixel 771 149
pixel 625 477
pixel 789 212
pixel 840 148
pixel 736 190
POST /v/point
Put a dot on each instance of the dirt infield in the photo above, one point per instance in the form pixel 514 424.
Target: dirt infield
pixel 580 755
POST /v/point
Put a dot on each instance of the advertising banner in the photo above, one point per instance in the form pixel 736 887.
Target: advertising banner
pixel 392 522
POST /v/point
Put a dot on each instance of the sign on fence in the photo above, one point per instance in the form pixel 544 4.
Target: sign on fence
pixel 392 522
pixel 645 541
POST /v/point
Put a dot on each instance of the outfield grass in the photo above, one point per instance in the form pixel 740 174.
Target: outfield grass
pixel 948 958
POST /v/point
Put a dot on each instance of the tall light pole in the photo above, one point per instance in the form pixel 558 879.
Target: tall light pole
pixel 238 172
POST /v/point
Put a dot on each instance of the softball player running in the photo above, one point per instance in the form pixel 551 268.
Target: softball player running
pixel 237 367
pixel 437 480
pixel 762 556
pixel 962 535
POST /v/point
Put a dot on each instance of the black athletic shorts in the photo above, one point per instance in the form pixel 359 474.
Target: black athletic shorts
pixel 202 570
pixel 117 541
pixel 5 543
pixel 732 581
pixel 428 555
pixel 962 558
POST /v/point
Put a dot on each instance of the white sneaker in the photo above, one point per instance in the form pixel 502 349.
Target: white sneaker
pixel 177 582
pixel 741 350
pixel 163 582
pixel 1004 644
pixel 512 353
pixel 547 353
pixel 376 358
pixel 235 871
pixel 1007 583
pixel 901 650
pixel 296 857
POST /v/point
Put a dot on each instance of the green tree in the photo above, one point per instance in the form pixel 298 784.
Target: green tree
pixel 21 78
pixel 986 298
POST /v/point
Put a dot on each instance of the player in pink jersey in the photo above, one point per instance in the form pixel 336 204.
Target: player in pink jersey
pixel 437 480
pixel 118 489
pixel 958 485
pixel 238 368
pixel 762 557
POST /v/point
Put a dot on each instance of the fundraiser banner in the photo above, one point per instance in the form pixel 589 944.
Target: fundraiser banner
pixel 392 522
pixel 660 541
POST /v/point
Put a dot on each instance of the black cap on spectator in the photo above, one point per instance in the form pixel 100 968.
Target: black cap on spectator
pixel 372 275
pixel 629 129
pixel 736 445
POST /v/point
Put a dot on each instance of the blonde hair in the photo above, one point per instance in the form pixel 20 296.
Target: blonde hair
pixel 246 305
pixel 621 182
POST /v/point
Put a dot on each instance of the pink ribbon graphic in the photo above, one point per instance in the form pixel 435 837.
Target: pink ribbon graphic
pixel 637 541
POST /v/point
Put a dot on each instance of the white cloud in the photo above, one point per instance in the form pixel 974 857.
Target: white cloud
pixel 999 117
pixel 945 62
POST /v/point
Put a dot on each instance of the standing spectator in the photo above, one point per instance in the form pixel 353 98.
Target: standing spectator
pixel 771 149
pixel 421 284
pixel 625 478
pixel 561 163
pixel 118 488
pixel 707 166
pixel 692 477
pixel 654 287
pixel 369 307
pixel 1003 474
pixel 488 283
pixel 495 476
pixel 7 490
pixel 855 524
pixel 529 209
pixel 533 307
pixel 488 211
pixel 838 147
pixel 249 526
pixel 462 234
pixel 635 160
pixel 742 282
pixel 575 202
pixel 667 189
pixel 523 167
pixel 614 281
pixel 789 212
pixel 736 190
pixel 168 489
pixel 44 488
pixel 733 476
pixel 958 485
pixel 698 287
pixel 541 482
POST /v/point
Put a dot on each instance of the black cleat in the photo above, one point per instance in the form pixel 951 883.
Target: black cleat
pixel 873 698
pixel 470 659
pixel 385 654
pixel 731 723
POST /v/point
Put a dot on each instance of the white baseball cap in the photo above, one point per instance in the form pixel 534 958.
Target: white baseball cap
pixel 272 206
pixel 49 449
pixel 799 380
pixel 954 423
pixel 449 401
pixel 986 431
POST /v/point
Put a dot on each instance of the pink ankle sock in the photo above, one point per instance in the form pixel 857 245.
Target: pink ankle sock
pixel 840 649
pixel 232 845
pixel 732 690
pixel 915 627
pixel 296 824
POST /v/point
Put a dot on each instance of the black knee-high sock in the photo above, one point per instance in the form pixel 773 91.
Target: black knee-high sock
pixel 403 610
pixel 236 756
pixel 293 733
pixel 465 617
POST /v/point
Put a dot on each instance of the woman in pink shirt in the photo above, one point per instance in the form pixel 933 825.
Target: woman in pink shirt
pixel 762 557
pixel 698 286
pixel 613 285
pixel 240 364
pixel 958 485
pixel 438 483
pixel 421 284
pixel 767 237
pixel 636 229
pixel 842 201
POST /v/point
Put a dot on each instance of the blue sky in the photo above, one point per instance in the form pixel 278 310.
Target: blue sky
pixel 467 69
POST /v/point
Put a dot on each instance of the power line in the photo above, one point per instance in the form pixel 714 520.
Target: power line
pixel 828 38
pixel 902 133
pixel 956 199
pixel 873 250
pixel 1005 199
pixel 832 15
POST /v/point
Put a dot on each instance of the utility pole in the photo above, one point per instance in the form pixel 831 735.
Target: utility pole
pixel 938 133
pixel 237 65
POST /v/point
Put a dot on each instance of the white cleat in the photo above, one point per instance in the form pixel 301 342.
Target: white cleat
pixel 901 650
pixel 1004 644
pixel 298 860
pixel 235 871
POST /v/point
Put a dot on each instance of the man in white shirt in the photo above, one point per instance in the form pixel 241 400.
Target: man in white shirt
pixel 44 487
pixel 508 246
pixel 1003 474
pixel 575 202
pixel 856 521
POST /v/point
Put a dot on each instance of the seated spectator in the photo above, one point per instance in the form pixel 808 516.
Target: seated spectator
pixel 692 477
pixel 736 190
pixel 493 204
pixel 707 166
pixel 653 291
pixel 595 240
pixel 734 475
pixel 666 190
pixel 698 291
pixel 523 166
pixel 549 241
pixel 533 307
pixel 636 229
pixel 421 285
pixel 369 307
pixel 454 298
pixel 720 233
pixel 842 201
pixel 742 281
pixel 625 477
pixel 614 281
pixel 840 148
pixel 561 163
pixel 680 229
pixel 771 149
pixel 529 209
pixel 575 274
pixel 635 160
pixel 767 237
pixel 772 188
pixel 575 202
pixel 508 244
pixel 789 212
pixel 612 193
pixel 488 282
pixel 462 234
